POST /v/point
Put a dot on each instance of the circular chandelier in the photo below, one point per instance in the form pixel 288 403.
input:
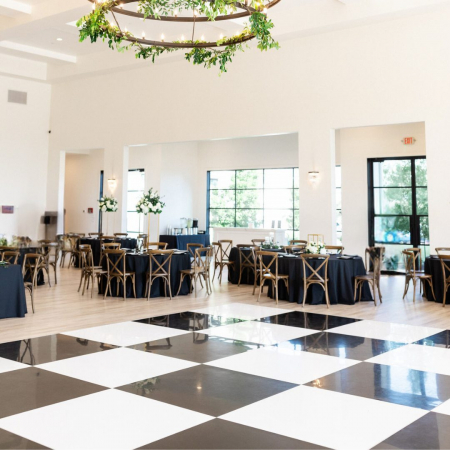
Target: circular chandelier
pixel 103 24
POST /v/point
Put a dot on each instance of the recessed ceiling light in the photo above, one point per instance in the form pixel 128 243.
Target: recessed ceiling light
pixel 59 39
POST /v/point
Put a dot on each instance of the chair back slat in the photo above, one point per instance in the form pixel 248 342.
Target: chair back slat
pixel 225 246
pixel 157 246
pixel 10 257
pixel 266 267
pixel 298 242
pixel 160 268
pixel 315 275
pixel 116 266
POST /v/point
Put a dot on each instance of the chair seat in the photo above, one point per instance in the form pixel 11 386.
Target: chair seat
pixel 193 271
pixel 368 277
pixel 117 274
pixel 272 276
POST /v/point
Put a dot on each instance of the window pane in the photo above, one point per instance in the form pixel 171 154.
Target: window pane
pixel 296 219
pixel 393 201
pixel 278 178
pixel 424 231
pixel 248 217
pixel 222 218
pixel 136 180
pixel 421 172
pixel 133 222
pixel 338 173
pixel 339 221
pixel 278 198
pixel 392 230
pixel 338 198
pixel 393 258
pixel 249 179
pixel 396 173
pixel 286 217
pixel 132 199
pixel 296 177
pixel 249 199
pixel 222 179
pixel 222 199
pixel 422 201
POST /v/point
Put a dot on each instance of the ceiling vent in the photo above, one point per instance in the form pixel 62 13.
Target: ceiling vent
pixel 17 97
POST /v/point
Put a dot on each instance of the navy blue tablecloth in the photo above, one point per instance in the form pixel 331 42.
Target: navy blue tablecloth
pixel 433 267
pixel 140 265
pixel 96 246
pixel 12 292
pixel 180 242
pixel 341 274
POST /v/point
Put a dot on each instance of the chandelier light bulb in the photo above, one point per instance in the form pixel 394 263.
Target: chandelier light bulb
pixel 121 6
pixel 175 13
pixel 195 13
pixel 162 38
pixel 126 30
pixel 143 35
pixel 221 36
pixel 203 37
pixel 265 11
pixel 182 37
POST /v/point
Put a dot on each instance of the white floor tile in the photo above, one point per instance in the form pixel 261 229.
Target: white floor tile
pixel 418 357
pixel 117 367
pixel 327 418
pixel 284 364
pixel 242 311
pixel 108 420
pixel 443 408
pixel 258 332
pixel 395 332
pixel 6 365
pixel 126 333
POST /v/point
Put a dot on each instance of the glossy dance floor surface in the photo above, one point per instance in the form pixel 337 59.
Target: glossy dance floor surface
pixel 230 377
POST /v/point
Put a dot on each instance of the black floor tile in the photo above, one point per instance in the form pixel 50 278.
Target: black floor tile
pixel 196 347
pixel 208 390
pixel 309 320
pixel 12 441
pixel 49 348
pixel 431 431
pixel 441 339
pixel 391 384
pixel 221 434
pixel 341 345
pixel 26 389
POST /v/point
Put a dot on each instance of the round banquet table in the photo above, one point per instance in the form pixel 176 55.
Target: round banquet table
pixel 341 275
pixel 433 267
pixel 96 246
pixel 139 263
pixel 12 292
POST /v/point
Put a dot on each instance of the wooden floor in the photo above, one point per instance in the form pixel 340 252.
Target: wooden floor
pixel 61 308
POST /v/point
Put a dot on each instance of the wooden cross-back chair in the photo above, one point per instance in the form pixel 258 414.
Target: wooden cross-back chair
pixel 10 257
pixel 258 242
pixel 298 242
pixel 108 238
pixel 315 238
pixel 74 250
pixel 121 235
pixel 108 246
pixel 117 269
pixel 30 268
pixel 247 262
pixel 200 269
pixel 64 245
pixel 379 251
pixel 336 249
pixel 89 272
pixel 157 246
pixel 413 264
pixel 372 276
pixel 159 270
pixel 443 251
pixel 315 277
pixel 50 253
pixel 445 264
pixel 291 249
pixel 268 271
pixel 222 256
pixel 96 235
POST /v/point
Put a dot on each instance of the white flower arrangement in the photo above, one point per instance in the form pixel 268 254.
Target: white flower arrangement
pixel 316 248
pixel 108 204
pixel 150 203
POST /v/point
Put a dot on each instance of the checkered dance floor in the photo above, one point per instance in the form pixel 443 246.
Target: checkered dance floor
pixel 229 377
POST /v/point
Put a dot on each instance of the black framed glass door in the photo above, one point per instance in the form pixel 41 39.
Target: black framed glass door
pixel 398 207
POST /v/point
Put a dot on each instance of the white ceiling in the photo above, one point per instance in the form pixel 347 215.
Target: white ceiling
pixel 33 34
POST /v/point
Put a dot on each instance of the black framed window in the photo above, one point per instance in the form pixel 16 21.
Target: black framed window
pixel 254 197
pixel 398 207
pixel 136 187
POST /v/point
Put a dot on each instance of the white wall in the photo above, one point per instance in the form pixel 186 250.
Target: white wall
pixel 24 141
pixel 82 189
pixel 356 146
pixel 384 73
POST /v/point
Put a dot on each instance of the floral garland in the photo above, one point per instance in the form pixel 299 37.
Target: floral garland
pixel 150 203
pixel 96 26
pixel 315 248
pixel 108 204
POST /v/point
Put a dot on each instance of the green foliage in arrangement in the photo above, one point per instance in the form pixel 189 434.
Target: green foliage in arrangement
pixel 95 26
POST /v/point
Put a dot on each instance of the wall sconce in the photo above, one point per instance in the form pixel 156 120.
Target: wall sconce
pixel 313 177
pixel 112 183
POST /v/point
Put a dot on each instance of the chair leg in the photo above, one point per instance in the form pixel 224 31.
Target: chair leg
pixel 374 287
pixel 261 282
pixel 170 287
pixel 133 279
pixel 220 274
pixel 305 290
pixel 406 287
pixel 181 282
pixel 32 300
pixel 326 295
pixel 275 283
pixel 360 291
pixel 355 289
pixel 445 294
pixel 414 289
pixel 240 276
pixel 81 281
pixel 432 289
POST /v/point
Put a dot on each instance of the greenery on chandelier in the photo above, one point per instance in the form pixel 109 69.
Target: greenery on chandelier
pixel 96 26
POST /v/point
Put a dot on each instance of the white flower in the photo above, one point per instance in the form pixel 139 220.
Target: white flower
pixel 103 208
pixel 145 209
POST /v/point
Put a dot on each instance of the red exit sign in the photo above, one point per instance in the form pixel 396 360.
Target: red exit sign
pixel 408 141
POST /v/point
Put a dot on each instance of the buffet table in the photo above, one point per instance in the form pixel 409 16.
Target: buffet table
pixel 341 274
pixel 139 263
pixel 12 292
pixel 180 242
